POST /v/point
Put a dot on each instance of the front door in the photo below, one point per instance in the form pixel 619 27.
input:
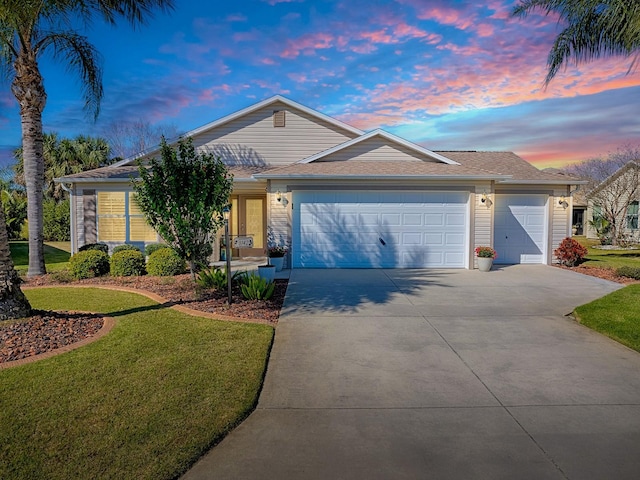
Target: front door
pixel 248 219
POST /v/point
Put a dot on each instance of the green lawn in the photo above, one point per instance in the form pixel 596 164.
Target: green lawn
pixel 608 258
pixel 616 315
pixel 144 402
pixel 56 255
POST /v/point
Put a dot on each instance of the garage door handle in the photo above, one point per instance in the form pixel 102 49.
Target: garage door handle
pixel 382 241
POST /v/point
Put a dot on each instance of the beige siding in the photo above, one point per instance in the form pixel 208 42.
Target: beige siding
pixel 253 140
pixel 279 218
pixel 482 220
pixel 374 149
pixel 560 221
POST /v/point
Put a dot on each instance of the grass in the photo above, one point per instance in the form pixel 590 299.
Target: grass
pixel 616 315
pixel 56 255
pixel 608 258
pixel 144 402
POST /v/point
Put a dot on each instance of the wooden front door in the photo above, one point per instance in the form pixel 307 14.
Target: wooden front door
pixel 248 219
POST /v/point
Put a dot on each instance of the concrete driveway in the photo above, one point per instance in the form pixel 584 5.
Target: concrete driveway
pixel 393 374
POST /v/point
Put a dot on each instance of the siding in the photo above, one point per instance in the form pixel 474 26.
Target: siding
pixel 253 140
pixel 560 221
pixel 482 220
pixel 279 219
pixel 374 149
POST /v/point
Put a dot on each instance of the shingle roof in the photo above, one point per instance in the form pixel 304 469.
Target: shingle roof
pixel 124 173
pixel 354 169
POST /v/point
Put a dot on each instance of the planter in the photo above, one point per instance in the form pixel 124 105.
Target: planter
pixel 484 263
pixel 268 272
pixel 277 262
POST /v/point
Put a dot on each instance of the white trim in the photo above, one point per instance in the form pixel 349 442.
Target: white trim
pixel 308 176
pixel 386 135
pixel 241 113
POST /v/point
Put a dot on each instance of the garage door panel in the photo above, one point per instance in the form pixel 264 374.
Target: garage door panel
pixel 520 228
pixel 418 229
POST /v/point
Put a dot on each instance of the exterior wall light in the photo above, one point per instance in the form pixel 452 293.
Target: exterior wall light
pixel 278 196
pixel 563 202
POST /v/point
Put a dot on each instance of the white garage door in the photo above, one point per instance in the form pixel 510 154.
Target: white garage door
pixel 520 228
pixel 380 229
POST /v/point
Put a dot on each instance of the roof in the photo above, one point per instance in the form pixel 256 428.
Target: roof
pixel 508 163
pixel 386 136
pixel 378 170
pixel 627 166
pixel 240 113
pixel 114 174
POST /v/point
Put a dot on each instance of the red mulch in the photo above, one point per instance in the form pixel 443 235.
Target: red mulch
pixel 605 273
pixel 46 331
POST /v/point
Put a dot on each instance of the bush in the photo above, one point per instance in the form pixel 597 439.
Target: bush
pixel 570 253
pixel 165 262
pixel 152 247
pixel 257 288
pixel 127 263
pixel 101 247
pixel 125 247
pixel 88 264
pixel 629 272
pixel 56 221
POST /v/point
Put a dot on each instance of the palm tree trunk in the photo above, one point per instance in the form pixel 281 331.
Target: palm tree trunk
pixel 28 89
pixel 13 303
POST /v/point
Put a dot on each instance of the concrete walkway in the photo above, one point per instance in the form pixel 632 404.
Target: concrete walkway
pixel 394 374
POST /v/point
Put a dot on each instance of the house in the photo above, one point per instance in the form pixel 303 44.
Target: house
pixel 340 197
pixel 616 197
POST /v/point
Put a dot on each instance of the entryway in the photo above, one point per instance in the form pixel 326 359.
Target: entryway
pixel 248 219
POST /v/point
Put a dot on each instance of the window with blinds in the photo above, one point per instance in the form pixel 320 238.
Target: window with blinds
pixel 120 219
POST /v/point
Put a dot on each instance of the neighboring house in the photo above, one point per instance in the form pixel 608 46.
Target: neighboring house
pixel 340 197
pixel 617 197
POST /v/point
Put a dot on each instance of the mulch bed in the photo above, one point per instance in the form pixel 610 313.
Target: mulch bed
pixel 604 273
pixel 45 331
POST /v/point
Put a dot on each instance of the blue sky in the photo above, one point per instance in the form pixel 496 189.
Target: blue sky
pixel 449 75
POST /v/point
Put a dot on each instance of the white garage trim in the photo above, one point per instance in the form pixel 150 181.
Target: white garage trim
pixel 380 229
pixel 521 226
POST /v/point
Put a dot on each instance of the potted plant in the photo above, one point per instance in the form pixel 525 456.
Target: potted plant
pixel 276 256
pixel 485 258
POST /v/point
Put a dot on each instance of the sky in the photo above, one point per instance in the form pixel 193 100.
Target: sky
pixel 446 74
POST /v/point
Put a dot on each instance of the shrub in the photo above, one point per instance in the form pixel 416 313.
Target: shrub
pixel 152 247
pixel 56 221
pixel 212 278
pixel 102 247
pixel 257 288
pixel 88 264
pixel 570 253
pixel 165 262
pixel 629 272
pixel 125 247
pixel 127 263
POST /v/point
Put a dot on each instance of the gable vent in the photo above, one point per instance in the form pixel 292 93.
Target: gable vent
pixel 278 118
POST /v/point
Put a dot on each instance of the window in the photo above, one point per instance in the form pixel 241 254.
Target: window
pixel 120 219
pixel 632 216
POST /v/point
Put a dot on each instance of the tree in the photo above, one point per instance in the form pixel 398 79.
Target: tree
pixel 614 182
pixel 182 196
pixel 65 157
pixel 128 138
pixel 13 303
pixel 593 29
pixel 29 29
pixel 14 205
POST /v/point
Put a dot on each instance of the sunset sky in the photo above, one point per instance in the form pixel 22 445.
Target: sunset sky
pixel 449 75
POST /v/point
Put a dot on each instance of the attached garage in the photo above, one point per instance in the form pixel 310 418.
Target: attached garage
pixel 521 228
pixel 388 229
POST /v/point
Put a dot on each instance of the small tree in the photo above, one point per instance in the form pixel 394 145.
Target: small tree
pixel 182 195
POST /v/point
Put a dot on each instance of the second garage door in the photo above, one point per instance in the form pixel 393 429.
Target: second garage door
pixel 521 228
pixel 380 229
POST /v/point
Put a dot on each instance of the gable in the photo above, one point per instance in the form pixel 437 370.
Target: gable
pixel 376 149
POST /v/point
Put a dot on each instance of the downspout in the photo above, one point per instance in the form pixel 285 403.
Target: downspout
pixel 72 215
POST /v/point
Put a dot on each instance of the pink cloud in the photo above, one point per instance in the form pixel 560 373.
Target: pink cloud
pixel 307 44
pixel 237 17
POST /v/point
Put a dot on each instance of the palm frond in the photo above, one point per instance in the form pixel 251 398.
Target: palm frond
pixel 83 58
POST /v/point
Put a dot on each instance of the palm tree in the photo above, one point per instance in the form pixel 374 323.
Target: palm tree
pixel 593 29
pixel 64 157
pixel 13 303
pixel 30 28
